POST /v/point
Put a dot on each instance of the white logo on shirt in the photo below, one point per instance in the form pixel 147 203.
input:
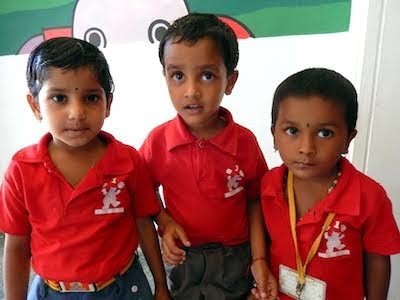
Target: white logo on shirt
pixel 110 191
pixel 334 245
pixel 233 178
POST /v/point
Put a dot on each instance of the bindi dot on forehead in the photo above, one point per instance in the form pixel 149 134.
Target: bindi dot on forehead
pixel 308 125
pixel 76 89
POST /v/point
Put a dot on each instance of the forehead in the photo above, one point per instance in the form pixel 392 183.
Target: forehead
pixel 76 74
pixel 204 51
pixel 312 110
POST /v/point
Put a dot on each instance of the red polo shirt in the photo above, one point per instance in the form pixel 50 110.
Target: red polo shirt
pixel 206 183
pixel 87 233
pixel 363 222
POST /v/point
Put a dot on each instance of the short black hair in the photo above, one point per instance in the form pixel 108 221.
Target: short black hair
pixel 68 54
pixel 321 82
pixel 195 26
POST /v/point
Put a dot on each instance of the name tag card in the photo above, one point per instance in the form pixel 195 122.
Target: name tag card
pixel 314 288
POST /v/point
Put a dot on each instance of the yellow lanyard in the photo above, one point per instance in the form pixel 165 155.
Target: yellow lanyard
pixel 301 269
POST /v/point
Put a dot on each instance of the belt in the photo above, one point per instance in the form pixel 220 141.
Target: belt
pixel 76 286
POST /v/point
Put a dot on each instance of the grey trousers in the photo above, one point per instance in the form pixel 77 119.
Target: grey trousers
pixel 213 272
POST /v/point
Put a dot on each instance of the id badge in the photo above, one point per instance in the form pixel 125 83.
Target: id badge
pixel 314 288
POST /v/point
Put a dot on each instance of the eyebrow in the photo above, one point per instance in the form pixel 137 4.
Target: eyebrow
pixel 206 66
pixel 64 90
pixel 324 124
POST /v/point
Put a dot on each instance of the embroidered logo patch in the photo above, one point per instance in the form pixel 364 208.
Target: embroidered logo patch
pixel 334 245
pixel 234 176
pixel 110 190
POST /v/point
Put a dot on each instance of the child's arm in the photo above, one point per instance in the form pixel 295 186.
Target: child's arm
pixel 16 267
pixel 266 286
pixel 149 243
pixel 377 276
pixel 172 233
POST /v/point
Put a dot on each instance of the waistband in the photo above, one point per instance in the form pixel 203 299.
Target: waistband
pixel 215 246
pixel 77 286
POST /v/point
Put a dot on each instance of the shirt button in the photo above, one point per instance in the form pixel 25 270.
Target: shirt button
pixel 200 143
pixel 134 289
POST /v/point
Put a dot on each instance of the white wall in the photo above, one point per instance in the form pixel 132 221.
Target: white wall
pixel 377 147
pixel 141 99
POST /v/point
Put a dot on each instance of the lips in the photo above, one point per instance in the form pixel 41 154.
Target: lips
pixel 193 108
pixel 303 164
pixel 75 132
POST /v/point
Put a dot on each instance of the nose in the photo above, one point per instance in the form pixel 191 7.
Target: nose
pixel 306 144
pixel 192 89
pixel 76 109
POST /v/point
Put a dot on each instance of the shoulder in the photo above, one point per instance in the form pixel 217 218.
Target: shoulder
pixel 274 175
pixel 120 149
pixel 369 187
pixel 161 131
pixel 33 153
pixel 245 132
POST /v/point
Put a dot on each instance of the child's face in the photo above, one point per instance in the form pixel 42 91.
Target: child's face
pixel 73 105
pixel 310 135
pixel 197 80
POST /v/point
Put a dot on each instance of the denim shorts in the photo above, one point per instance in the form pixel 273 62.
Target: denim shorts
pixel 131 285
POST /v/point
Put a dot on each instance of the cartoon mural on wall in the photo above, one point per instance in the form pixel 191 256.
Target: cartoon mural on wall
pixel 24 23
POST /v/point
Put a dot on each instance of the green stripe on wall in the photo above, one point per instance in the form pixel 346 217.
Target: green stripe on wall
pixel 278 21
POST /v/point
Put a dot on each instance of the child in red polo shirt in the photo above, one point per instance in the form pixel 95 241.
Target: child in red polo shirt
pixel 332 228
pixel 209 168
pixel 77 203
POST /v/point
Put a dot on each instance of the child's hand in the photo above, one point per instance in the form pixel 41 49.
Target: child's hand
pixel 171 253
pixel 265 286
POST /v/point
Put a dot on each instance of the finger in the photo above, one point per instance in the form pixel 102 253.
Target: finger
pixel 255 293
pixel 169 261
pixel 261 290
pixel 169 245
pixel 172 254
pixel 181 235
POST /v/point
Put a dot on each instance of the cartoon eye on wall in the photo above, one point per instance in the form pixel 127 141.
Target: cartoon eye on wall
pixel 96 37
pixel 157 29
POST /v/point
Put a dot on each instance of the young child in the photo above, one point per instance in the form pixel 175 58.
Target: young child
pixel 332 227
pixel 77 202
pixel 209 167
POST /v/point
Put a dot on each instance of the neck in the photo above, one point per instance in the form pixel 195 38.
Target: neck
pixel 209 130
pixel 309 192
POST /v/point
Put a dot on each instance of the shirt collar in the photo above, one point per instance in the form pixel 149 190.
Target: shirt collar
pixel 344 199
pixel 116 159
pixel 178 134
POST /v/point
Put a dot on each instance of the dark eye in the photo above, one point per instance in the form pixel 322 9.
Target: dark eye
pixel 291 130
pixel 59 98
pixel 325 133
pixel 177 76
pixel 157 30
pixel 207 76
pixel 92 98
pixel 96 37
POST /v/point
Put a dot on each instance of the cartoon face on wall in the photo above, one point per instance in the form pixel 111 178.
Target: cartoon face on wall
pixel 104 22
pixel 111 22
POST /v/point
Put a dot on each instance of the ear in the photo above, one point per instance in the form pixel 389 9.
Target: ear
pixel 34 104
pixel 351 136
pixel 109 101
pixel 231 82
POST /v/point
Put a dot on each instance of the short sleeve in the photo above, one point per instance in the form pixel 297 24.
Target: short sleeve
pixel 145 201
pixel 381 234
pixel 146 154
pixel 14 216
pixel 254 186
